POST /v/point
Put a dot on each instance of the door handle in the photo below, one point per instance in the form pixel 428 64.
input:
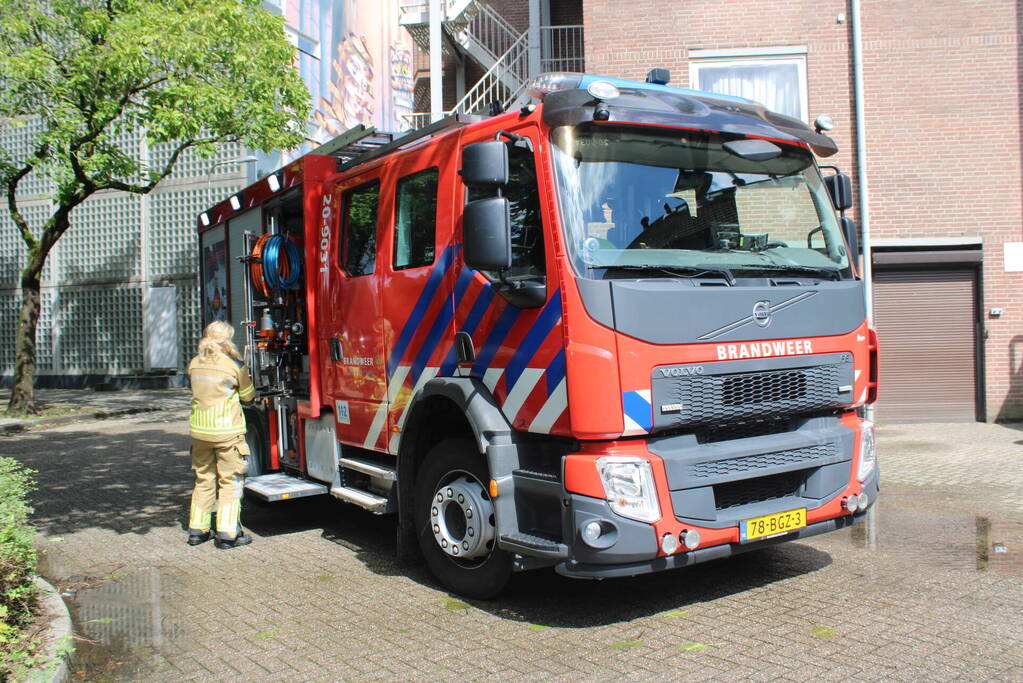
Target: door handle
pixel 335 350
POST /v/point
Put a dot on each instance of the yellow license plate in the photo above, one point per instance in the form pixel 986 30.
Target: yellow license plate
pixel 771 525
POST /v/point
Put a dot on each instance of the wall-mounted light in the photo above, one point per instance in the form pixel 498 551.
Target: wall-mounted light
pixel 236 202
pixel 273 182
pixel 204 218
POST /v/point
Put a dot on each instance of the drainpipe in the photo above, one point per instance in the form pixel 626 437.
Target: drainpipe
pixel 436 67
pixel 861 158
pixel 861 177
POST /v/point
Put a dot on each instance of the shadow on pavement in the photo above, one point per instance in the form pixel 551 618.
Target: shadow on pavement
pixel 127 483
pixel 134 482
pixel 545 598
pixel 542 596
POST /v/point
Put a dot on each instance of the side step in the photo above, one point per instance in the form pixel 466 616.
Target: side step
pixel 281 486
pixel 370 468
pixel 538 546
pixel 378 505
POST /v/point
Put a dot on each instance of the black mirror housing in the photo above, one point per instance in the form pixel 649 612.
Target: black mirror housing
pixel 485 164
pixel 840 188
pixel 486 233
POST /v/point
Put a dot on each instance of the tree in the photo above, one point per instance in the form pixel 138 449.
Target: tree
pixel 192 73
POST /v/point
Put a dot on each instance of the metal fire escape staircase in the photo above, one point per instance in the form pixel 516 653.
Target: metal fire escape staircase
pixel 473 28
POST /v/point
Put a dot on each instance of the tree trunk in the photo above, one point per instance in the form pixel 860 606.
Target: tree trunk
pixel 23 400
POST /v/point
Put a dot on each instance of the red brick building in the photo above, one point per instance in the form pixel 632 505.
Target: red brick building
pixel 941 110
pixel 941 102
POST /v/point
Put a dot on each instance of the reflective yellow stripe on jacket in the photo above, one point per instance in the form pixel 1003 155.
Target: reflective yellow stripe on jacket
pixel 218 420
pixel 218 387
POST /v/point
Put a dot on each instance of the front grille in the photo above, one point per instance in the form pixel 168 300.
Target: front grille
pixel 735 493
pixel 742 430
pixel 752 463
pixel 708 399
pixel 763 388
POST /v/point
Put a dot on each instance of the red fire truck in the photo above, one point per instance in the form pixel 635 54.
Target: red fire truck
pixel 616 330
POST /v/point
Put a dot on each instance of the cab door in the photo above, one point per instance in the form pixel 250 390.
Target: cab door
pixel 422 276
pixel 354 336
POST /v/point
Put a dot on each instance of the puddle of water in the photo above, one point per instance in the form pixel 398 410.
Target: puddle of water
pixel 942 540
pixel 119 620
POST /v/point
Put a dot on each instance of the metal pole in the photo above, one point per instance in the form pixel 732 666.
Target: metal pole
pixel 861 158
pixel 436 67
pixel 533 41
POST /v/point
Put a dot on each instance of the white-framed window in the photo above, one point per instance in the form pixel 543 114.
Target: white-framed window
pixel 774 77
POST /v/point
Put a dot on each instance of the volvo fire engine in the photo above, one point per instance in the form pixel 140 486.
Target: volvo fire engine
pixel 617 329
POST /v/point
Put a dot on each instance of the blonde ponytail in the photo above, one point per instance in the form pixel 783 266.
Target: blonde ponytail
pixel 216 340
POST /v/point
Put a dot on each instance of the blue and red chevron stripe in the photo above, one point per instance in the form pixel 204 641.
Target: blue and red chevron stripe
pixel 515 349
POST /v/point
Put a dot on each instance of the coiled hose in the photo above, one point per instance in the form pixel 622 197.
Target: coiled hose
pixel 271 273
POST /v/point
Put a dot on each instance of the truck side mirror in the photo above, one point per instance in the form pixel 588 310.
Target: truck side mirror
pixel 851 238
pixel 485 164
pixel 840 188
pixel 486 233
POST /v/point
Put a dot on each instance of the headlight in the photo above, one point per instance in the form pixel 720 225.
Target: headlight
pixel 629 487
pixel 868 456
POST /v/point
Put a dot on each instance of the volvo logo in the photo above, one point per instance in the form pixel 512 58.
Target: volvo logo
pixel 762 313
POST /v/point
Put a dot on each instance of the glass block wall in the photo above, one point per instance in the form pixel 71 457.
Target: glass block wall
pixel 94 285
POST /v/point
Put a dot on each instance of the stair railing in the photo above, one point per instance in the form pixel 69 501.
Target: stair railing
pixel 491 31
pixel 507 75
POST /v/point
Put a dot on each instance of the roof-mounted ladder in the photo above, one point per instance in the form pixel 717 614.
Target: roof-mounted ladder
pixel 364 143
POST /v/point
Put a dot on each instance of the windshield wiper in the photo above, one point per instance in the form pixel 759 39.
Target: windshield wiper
pixel 683 271
pixel 830 273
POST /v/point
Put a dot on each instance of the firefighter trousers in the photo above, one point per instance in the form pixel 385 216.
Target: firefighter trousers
pixel 219 484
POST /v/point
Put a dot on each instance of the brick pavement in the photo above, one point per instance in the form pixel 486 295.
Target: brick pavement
pixel 923 595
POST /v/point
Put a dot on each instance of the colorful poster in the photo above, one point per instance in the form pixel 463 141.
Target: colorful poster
pixel 357 61
pixel 215 301
pixel 401 85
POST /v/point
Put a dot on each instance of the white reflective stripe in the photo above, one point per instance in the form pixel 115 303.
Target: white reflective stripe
pixel 518 394
pixel 632 427
pixel 376 427
pixel 427 374
pixel 397 382
pixel 491 377
pixel 380 419
pixel 555 406
pixel 856 374
pixel 644 394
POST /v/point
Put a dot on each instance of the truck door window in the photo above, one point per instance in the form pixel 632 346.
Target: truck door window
pixel 359 241
pixel 524 199
pixel 415 224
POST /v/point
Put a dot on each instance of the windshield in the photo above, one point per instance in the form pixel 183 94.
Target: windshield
pixel 642 203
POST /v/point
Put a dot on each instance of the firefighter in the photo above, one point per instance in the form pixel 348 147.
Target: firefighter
pixel 220 381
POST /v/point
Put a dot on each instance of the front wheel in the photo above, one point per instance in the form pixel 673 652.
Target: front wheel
pixel 455 521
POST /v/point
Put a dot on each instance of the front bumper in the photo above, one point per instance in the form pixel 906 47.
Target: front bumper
pixel 635 548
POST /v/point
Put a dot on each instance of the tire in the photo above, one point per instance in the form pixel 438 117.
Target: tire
pixel 258 440
pixel 455 522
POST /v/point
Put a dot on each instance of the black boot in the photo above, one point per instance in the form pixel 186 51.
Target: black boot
pixel 198 538
pixel 241 539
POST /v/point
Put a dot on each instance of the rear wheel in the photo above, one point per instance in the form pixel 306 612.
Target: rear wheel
pixel 258 460
pixel 455 521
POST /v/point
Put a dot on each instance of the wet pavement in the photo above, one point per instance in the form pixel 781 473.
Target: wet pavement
pixel 931 587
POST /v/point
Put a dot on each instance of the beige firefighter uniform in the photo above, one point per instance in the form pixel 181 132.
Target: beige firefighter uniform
pixel 217 426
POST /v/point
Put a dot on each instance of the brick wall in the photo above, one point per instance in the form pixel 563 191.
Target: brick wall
pixel 942 92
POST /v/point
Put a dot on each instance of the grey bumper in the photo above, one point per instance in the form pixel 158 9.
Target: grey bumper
pixel 580 570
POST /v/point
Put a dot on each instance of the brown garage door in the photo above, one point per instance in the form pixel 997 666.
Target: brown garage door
pixel 926 324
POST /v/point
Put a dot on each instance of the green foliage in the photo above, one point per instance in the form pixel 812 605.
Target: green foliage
pixel 190 73
pixel 193 72
pixel 17 565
